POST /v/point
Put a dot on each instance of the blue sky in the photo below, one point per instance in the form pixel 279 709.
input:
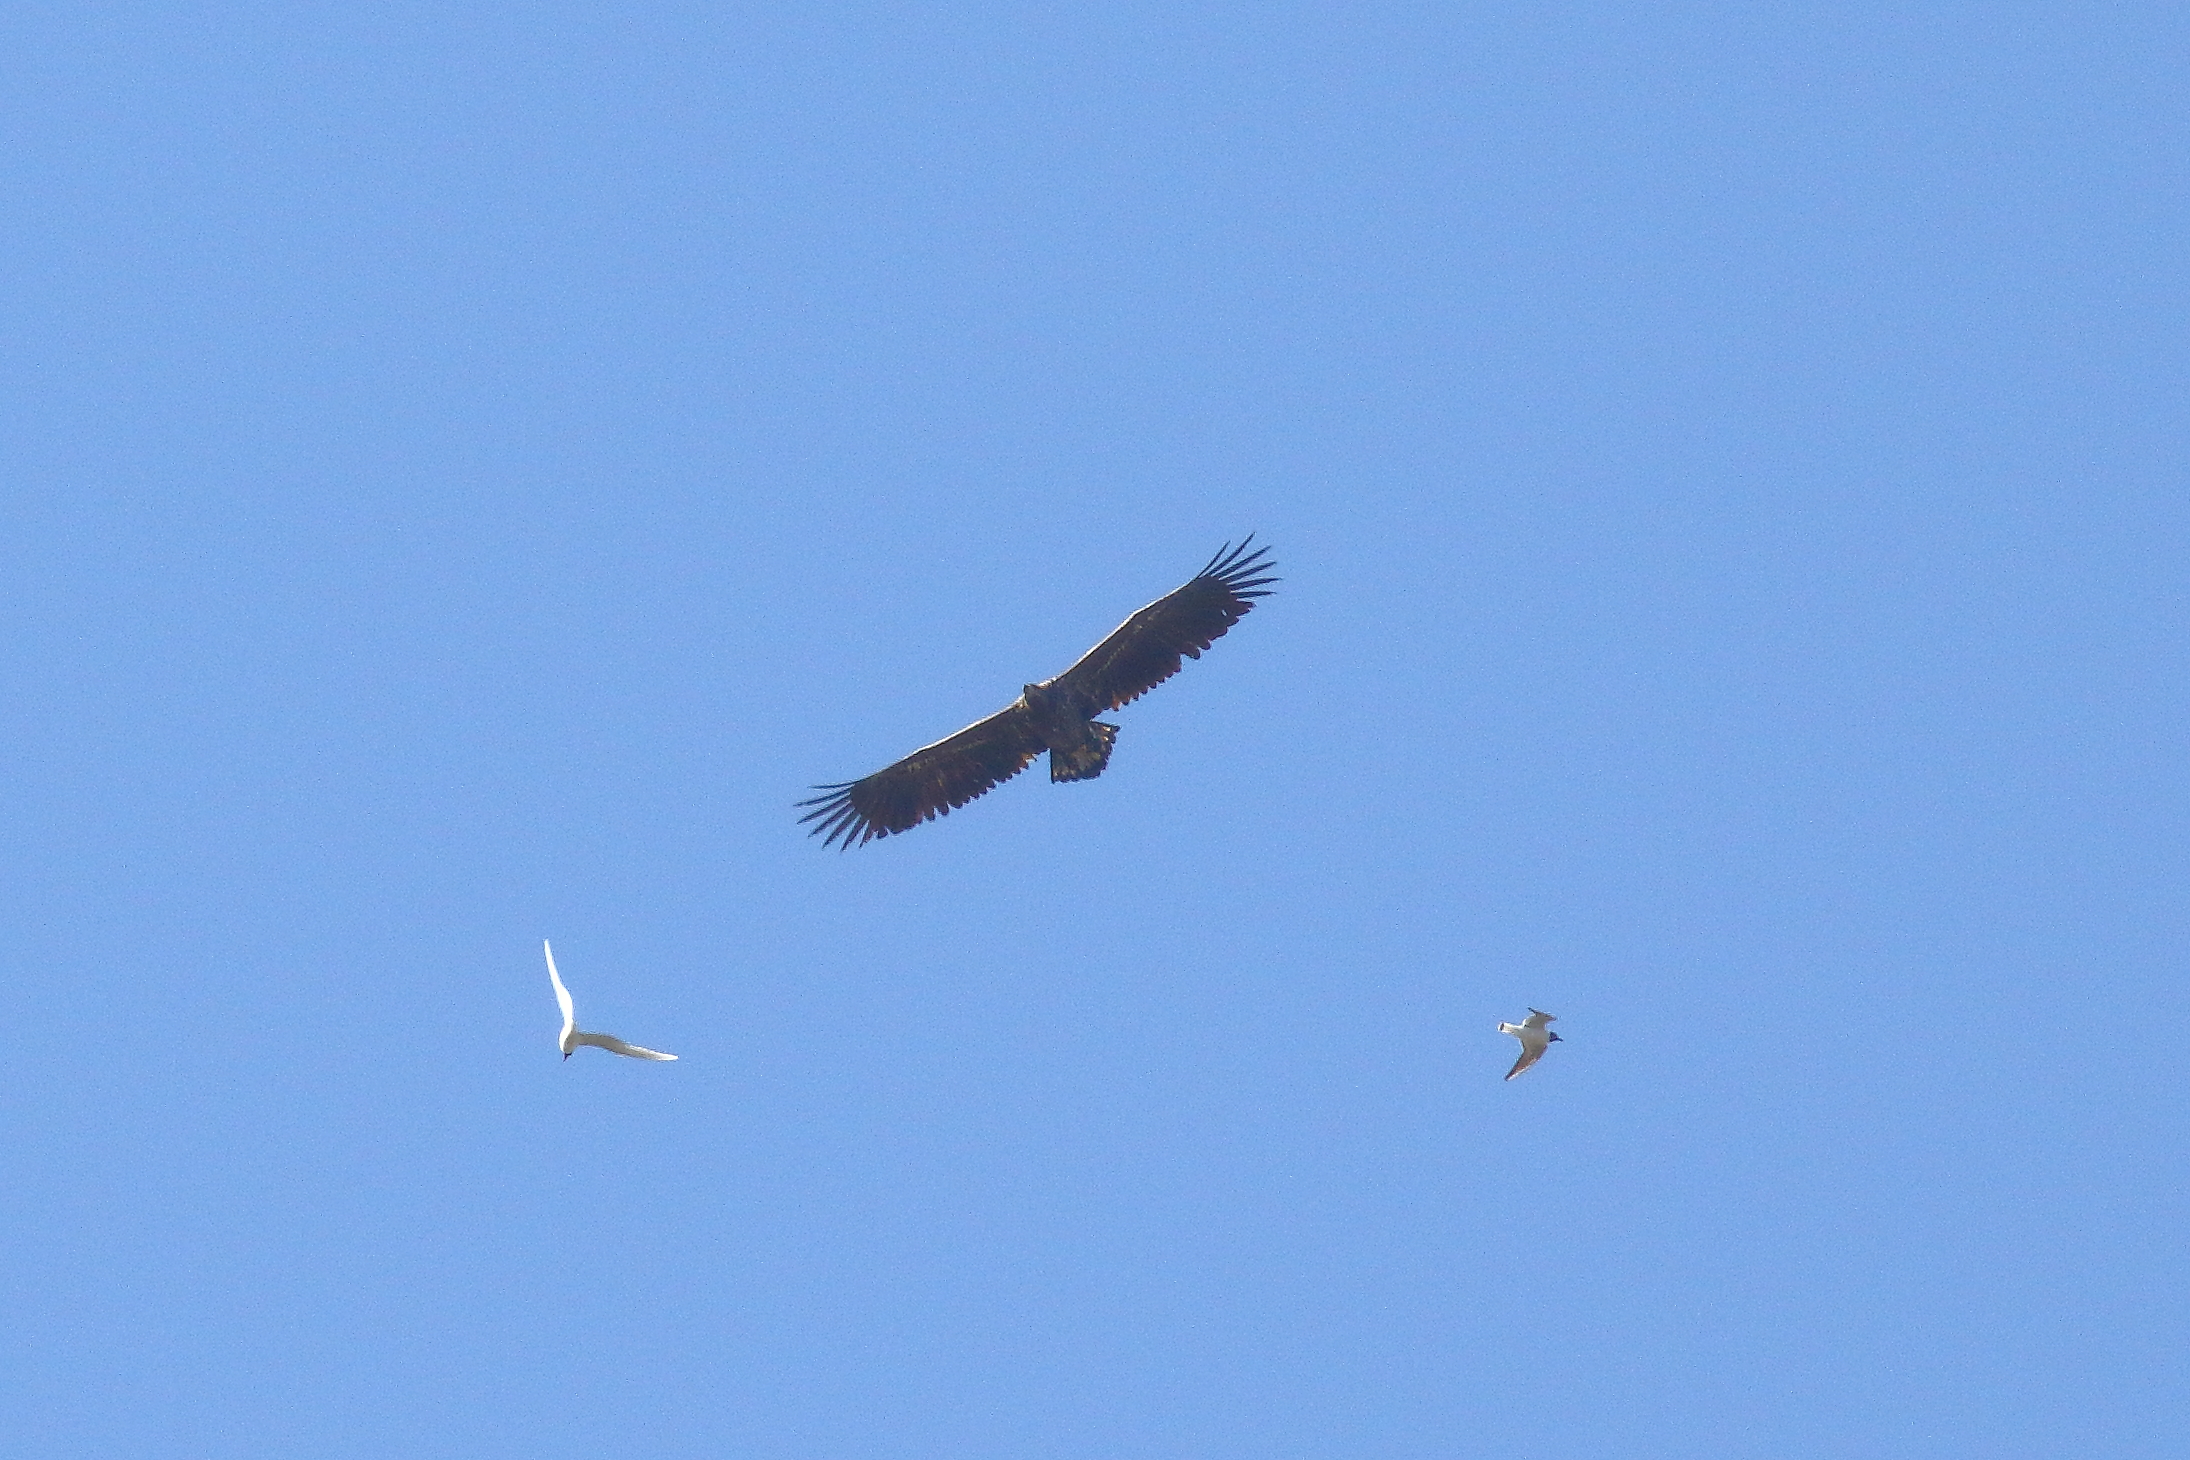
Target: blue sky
pixel 470 468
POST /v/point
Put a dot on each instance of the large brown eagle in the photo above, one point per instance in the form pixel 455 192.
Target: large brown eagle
pixel 1057 715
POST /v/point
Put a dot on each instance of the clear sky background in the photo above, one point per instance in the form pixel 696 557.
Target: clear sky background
pixel 469 468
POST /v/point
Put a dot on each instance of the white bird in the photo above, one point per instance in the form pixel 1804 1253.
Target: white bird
pixel 1534 1037
pixel 573 1036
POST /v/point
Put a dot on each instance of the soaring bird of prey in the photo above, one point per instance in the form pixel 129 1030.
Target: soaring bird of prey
pixel 1535 1038
pixel 1057 715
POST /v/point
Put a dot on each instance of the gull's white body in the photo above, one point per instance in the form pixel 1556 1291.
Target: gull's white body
pixel 573 1036
pixel 1535 1037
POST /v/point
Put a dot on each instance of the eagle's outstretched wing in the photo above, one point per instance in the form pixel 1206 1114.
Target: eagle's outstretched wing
pixel 928 783
pixel 1145 650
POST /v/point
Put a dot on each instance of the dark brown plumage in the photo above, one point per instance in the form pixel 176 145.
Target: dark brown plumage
pixel 1057 715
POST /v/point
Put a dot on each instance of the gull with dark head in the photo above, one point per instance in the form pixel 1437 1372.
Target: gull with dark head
pixel 1534 1036
pixel 573 1036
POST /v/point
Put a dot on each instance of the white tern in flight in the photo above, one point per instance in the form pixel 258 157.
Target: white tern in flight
pixel 573 1036
pixel 1534 1037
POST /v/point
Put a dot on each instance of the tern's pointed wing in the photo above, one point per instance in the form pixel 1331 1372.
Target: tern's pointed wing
pixel 562 995
pixel 1530 1053
pixel 1537 1019
pixel 614 1045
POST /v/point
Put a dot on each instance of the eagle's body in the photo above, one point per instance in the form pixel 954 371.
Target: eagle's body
pixel 1064 719
pixel 1057 715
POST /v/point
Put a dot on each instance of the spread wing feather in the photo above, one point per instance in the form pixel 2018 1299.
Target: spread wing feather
pixel 1146 649
pixel 930 782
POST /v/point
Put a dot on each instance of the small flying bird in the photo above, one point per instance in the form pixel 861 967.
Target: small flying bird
pixel 1534 1037
pixel 1057 715
pixel 573 1036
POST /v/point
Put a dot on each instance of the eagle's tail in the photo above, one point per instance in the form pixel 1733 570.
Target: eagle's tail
pixel 1086 763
